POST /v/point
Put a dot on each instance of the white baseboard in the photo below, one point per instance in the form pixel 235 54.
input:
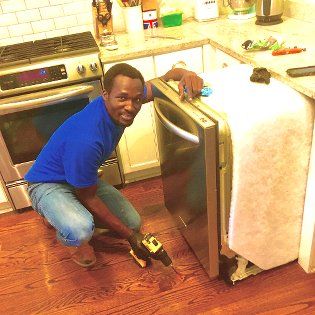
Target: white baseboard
pixel 144 174
pixel 5 207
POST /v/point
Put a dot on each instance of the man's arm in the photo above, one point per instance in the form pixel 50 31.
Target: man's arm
pixel 186 78
pixel 103 217
pixel 101 214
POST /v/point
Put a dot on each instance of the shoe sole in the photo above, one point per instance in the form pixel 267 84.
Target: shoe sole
pixel 86 259
pixel 47 224
pixel 84 265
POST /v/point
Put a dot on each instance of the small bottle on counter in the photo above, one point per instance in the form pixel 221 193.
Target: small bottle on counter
pixel 108 41
pixel 94 17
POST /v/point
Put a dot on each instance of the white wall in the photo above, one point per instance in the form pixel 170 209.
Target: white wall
pixel 27 20
pixel 186 6
pixel 183 5
pixel 300 9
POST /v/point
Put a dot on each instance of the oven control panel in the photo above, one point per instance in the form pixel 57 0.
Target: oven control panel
pixel 32 77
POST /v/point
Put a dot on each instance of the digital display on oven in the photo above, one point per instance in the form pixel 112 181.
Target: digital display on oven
pixel 33 75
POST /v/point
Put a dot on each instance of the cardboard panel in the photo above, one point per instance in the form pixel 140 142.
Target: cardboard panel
pixel 149 5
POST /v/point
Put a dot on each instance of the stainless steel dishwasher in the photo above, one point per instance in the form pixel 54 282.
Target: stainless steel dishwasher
pixel 196 159
pixel 189 157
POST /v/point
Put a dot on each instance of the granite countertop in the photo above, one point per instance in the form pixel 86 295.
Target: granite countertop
pixel 228 35
pixel 142 45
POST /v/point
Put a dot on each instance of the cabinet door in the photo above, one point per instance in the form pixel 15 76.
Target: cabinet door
pixel 307 243
pixel 192 58
pixel 138 145
pixel 214 58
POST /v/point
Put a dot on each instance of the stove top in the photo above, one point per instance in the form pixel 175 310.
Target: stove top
pixel 49 48
pixel 49 63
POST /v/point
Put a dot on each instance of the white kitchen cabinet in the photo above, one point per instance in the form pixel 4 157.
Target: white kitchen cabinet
pixel 138 145
pixel 223 60
pixel 307 243
pixel 209 58
pixel 191 57
pixel 214 59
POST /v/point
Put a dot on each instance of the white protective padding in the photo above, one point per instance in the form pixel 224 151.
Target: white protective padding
pixel 271 129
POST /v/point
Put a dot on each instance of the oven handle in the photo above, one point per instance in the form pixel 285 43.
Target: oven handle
pixel 45 100
pixel 173 128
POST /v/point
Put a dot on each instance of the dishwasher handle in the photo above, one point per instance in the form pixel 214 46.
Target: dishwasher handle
pixel 173 128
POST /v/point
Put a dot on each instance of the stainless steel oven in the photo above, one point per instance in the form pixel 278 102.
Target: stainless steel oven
pixel 36 98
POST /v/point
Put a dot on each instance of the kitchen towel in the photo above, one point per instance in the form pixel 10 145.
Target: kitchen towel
pixel 271 130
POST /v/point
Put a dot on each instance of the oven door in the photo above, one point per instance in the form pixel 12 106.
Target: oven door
pixel 27 122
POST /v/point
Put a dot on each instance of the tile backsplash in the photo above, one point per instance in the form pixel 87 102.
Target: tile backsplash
pixel 27 20
pixel 300 9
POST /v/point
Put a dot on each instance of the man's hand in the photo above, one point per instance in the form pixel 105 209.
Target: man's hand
pixel 135 241
pixel 191 84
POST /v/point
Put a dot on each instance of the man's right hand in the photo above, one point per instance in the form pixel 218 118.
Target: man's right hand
pixel 135 241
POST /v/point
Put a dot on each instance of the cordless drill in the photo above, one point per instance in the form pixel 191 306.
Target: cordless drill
pixel 155 249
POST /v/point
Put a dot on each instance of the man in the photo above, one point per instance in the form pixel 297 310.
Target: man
pixel 63 183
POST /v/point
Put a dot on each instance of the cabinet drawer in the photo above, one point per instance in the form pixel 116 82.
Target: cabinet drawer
pixel 192 58
pixel 224 60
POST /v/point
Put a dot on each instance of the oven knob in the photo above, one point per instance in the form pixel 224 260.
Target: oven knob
pixel 93 66
pixel 80 69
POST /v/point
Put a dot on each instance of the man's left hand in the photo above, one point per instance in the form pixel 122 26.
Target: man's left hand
pixel 191 84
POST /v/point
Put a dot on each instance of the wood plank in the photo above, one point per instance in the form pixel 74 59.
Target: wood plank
pixel 38 277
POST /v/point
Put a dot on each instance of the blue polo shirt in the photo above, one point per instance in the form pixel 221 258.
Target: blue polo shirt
pixel 77 148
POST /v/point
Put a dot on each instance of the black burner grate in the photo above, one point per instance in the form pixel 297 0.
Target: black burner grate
pixel 48 48
pixel 17 52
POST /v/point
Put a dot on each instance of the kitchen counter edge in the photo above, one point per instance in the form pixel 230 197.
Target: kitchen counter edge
pixel 226 35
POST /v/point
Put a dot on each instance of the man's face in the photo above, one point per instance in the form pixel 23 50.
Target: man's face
pixel 124 100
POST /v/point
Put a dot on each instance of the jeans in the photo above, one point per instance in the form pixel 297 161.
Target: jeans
pixel 74 224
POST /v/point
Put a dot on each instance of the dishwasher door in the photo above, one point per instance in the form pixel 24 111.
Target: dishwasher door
pixel 187 141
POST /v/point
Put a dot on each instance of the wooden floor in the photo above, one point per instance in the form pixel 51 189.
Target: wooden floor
pixel 37 276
